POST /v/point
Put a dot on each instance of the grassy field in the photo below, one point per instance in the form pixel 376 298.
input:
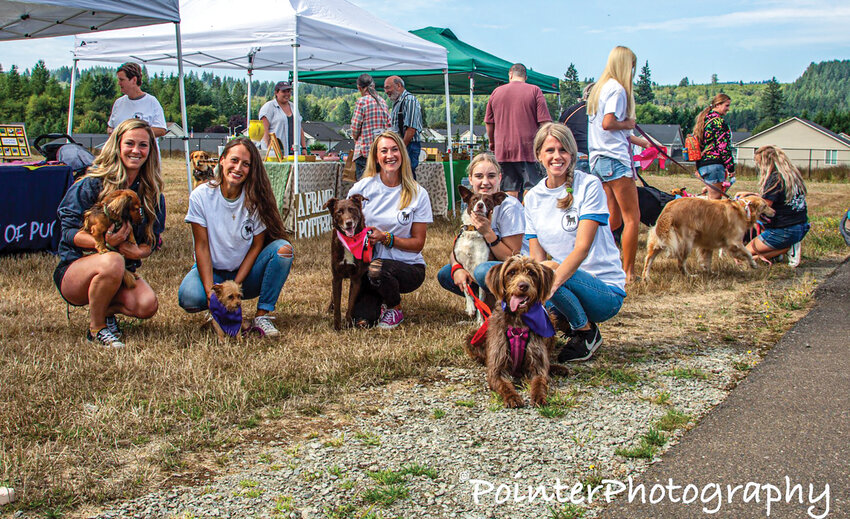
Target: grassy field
pixel 80 425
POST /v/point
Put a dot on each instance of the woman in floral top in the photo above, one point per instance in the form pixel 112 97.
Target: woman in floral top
pixel 715 139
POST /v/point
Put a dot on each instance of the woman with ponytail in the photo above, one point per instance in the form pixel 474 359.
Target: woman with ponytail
pixel 369 120
pixel 715 142
pixel 565 218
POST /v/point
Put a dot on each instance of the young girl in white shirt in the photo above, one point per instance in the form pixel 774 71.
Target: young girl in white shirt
pixel 565 218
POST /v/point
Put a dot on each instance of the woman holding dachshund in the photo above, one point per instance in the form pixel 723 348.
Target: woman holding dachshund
pixel 399 210
pixel 565 218
pixel 238 235
pixel 503 232
pixel 126 162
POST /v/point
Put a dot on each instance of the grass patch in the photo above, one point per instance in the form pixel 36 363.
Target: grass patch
pixel 742 365
pixel 557 405
pixel 368 438
pixel 437 414
pixel 642 451
pixel 465 403
pixel 686 373
pixel 415 469
pixel 336 471
pixel 567 511
pixel 387 477
pixel 673 420
pixel 345 511
pixel 385 495
pixel 339 441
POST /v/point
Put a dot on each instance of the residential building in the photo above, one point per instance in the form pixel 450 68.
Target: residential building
pixel 807 144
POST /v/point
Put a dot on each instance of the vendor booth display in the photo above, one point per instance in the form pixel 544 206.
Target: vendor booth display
pixel 29 198
pixel 13 142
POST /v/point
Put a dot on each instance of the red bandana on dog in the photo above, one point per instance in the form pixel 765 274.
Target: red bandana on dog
pixel 358 245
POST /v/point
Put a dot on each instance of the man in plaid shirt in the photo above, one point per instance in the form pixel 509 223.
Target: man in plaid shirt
pixel 369 120
pixel 406 118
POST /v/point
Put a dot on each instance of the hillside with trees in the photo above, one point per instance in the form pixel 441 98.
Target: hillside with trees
pixel 39 98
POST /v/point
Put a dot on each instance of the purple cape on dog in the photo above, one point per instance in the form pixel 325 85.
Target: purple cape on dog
pixel 230 322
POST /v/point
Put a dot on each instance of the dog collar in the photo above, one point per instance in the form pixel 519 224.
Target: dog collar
pixel 537 319
pixel 518 340
pixel 230 322
pixel 358 245
pixel 468 227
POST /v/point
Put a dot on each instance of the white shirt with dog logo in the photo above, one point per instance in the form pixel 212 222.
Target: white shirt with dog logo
pixel 380 210
pixel 555 229
pixel 230 228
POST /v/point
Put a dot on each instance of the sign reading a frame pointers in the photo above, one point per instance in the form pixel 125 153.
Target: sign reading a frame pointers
pixel 13 142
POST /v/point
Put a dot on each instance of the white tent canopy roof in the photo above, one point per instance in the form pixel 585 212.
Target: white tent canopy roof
pixel 47 18
pixel 331 34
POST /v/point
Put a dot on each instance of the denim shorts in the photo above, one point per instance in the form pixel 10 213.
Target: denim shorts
pixel 713 173
pixel 608 169
pixel 785 237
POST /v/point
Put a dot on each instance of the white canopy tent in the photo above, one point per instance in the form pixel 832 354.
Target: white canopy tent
pixel 290 35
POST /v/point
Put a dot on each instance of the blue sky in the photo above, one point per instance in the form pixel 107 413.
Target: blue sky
pixel 737 40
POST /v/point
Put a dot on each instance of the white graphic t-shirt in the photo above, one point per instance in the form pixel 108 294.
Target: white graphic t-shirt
pixel 555 229
pixel 230 229
pixel 381 211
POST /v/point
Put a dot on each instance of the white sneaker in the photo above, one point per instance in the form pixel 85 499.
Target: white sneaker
pixel 264 323
pixel 795 254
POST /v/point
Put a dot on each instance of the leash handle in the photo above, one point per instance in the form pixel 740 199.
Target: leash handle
pixel 479 304
pixel 676 162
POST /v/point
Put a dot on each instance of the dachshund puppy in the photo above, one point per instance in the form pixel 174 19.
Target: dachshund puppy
pixel 119 206
pixel 520 338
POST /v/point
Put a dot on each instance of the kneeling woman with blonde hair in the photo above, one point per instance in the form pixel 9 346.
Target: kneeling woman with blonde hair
pixel 399 210
pixel 565 218
pixel 781 184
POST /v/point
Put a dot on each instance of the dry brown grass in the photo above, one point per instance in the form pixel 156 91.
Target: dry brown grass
pixel 80 425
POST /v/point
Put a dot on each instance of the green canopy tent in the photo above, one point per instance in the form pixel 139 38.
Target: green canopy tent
pixel 470 70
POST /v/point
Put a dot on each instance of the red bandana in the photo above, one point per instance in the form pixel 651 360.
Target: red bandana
pixel 358 245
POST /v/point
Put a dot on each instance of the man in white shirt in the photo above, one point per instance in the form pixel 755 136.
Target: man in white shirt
pixel 135 104
pixel 277 117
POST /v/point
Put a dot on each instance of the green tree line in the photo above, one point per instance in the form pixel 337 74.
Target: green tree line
pixel 39 98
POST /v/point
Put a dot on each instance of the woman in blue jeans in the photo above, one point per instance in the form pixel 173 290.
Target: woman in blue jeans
pixel 503 232
pixel 565 218
pixel 238 234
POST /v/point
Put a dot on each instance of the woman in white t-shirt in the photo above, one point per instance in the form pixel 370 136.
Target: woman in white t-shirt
pixel 611 117
pixel 503 232
pixel 565 218
pixel 399 210
pixel 238 234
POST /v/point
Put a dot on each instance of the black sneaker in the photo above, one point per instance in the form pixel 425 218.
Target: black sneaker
pixel 112 326
pixel 582 345
pixel 105 338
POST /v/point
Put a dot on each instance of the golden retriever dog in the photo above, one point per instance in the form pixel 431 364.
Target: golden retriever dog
pixel 520 284
pixel 202 167
pixel 687 223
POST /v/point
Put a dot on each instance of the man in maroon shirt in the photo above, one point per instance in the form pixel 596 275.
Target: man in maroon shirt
pixel 514 112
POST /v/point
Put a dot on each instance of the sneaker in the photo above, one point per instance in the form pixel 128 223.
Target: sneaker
pixel 795 254
pixel 264 323
pixel 390 318
pixel 112 326
pixel 582 345
pixel 105 338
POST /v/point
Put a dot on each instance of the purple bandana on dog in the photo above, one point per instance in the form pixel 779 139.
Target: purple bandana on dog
pixel 230 322
pixel 537 319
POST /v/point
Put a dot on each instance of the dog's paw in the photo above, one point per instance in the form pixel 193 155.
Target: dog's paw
pixel 538 401
pixel 514 401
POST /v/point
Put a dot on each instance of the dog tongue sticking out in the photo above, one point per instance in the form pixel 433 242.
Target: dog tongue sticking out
pixel 516 302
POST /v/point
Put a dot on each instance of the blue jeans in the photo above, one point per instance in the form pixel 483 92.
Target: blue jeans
pixel 584 297
pixel 265 280
pixel 413 150
pixel 444 276
pixel 713 173
pixel 785 237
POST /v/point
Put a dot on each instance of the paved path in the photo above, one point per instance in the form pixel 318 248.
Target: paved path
pixel 789 417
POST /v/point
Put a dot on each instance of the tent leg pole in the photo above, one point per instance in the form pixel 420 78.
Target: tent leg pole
pixel 449 142
pixel 183 117
pixel 471 113
pixel 248 118
pixel 72 99
pixel 296 126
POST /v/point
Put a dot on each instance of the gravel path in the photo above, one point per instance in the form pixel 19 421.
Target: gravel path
pixel 428 446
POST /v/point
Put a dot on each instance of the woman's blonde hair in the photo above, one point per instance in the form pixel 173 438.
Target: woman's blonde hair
pixel 620 67
pixel 771 158
pixel 564 136
pixel 483 157
pixel 699 121
pixel 109 168
pixel 409 187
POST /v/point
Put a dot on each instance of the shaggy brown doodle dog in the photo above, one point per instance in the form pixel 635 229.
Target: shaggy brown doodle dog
pixel 119 206
pixel 519 284
pixel 202 167
pixel 686 223
pixel 350 252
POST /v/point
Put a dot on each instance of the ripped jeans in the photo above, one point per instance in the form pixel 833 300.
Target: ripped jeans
pixel 265 280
